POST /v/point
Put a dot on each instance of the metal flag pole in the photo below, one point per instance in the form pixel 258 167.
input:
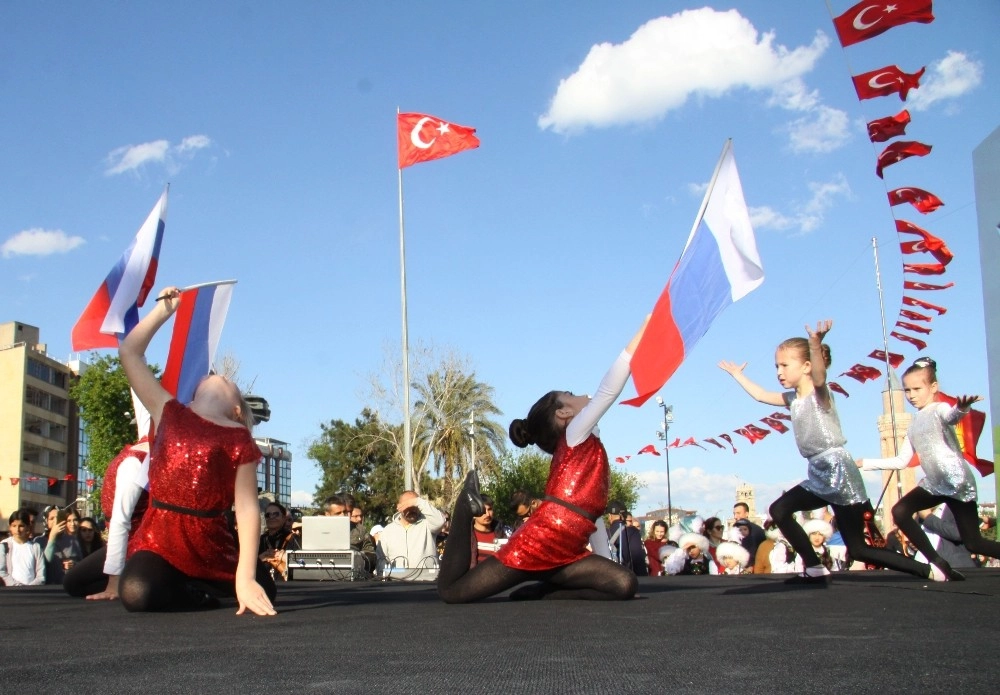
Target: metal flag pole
pixel 407 448
pixel 888 374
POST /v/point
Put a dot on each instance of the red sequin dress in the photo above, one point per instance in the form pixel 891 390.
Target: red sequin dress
pixel 193 467
pixel 111 483
pixel 554 536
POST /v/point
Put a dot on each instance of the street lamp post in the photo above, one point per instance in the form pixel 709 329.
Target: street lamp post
pixel 668 417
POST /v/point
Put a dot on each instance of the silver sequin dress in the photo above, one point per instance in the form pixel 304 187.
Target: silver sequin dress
pixel 932 436
pixel 833 474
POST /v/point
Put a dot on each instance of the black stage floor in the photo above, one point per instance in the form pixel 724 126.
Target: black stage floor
pixel 867 632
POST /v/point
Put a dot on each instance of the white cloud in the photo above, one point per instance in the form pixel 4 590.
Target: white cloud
pixel 824 129
pixel 39 242
pixel 301 498
pixel 699 53
pixel 809 215
pixel 948 78
pixel 135 157
pixel 709 494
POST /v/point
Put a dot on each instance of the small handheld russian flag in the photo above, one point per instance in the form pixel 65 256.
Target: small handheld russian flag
pixel 197 328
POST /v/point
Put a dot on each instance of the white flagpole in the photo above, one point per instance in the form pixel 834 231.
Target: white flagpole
pixel 888 371
pixel 407 449
pixel 203 284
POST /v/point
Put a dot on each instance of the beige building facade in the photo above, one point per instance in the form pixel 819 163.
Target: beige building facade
pixel 39 426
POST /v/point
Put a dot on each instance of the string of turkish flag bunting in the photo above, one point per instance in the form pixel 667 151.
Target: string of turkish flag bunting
pixel 861 22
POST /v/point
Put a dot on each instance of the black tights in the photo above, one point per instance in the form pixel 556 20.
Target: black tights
pixel 850 523
pixel 150 583
pixel 966 518
pixel 593 578
pixel 87 576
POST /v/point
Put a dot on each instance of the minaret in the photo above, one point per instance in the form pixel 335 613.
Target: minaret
pixel 892 426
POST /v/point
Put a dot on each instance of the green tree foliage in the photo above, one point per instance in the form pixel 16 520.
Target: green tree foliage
pixel 529 470
pixel 451 421
pixel 358 459
pixel 105 402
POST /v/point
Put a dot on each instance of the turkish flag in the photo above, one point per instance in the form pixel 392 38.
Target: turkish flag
pixel 898 151
pixel 895 359
pixel 882 129
pixel 728 439
pixel 862 373
pixel 868 19
pixel 778 415
pixel 914 327
pixel 924 268
pixel 776 425
pixel 753 433
pixel 911 285
pixel 911 301
pixel 914 316
pixel 917 197
pixel 649 449
pixel 920 344
pixel 886 81
pixel 928 243
pixel 422 138
pixel 691 442
pixel 834 386
pixel 712 440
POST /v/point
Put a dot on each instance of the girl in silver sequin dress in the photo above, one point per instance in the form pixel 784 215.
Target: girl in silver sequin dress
pixel 948 478
pixel 833 476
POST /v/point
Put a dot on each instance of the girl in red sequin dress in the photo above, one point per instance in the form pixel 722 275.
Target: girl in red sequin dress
pixel 203 462
pixel 551 546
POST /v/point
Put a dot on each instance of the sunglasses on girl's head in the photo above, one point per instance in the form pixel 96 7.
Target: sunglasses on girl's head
pixel 272 515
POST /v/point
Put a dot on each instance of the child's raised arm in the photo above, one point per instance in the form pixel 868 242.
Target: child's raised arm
pixel 132 353
pixel 757 392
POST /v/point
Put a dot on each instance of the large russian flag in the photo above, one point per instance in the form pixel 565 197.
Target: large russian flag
pixel 114 309
pixel 719 265
pixel 198 323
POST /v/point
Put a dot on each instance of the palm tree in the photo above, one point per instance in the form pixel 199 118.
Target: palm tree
pixel 451 421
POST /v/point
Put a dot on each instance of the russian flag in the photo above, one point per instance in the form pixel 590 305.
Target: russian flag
pixel 718 266
pixel 198 323
pixel 114 309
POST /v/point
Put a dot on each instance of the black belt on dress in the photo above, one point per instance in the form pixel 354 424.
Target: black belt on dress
pixel 572 507
pixel 203 513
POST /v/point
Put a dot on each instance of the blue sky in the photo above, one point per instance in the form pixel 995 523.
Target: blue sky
pixel 535 256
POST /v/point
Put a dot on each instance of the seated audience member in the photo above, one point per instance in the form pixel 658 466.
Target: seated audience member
pixel 21 562
pixel 819 532
pixel 62 550
pixel 522 504
pixel 656 539
pixel 733 558
pixel 715 531
pixel 625 540
pixel 940 527
pixel 775 554
pixel 89 536
pixel 489 531
pixel 690 557
pixel 361 541
pixel 276 540
pixel 51 517
pixel 410 539
pixel 745 532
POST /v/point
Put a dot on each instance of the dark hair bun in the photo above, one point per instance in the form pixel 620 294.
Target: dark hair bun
pixel 925 363
pixel 520 434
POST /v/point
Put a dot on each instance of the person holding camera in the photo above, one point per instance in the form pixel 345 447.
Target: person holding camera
pixel 411 539
pixel 62 549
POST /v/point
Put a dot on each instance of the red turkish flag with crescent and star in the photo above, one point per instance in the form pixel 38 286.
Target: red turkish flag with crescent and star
pixel 886 81
pixel 882 129
pixel 923 201
pixel 898 151
pixel 928 242
pixel 422 138
pixel 868 19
